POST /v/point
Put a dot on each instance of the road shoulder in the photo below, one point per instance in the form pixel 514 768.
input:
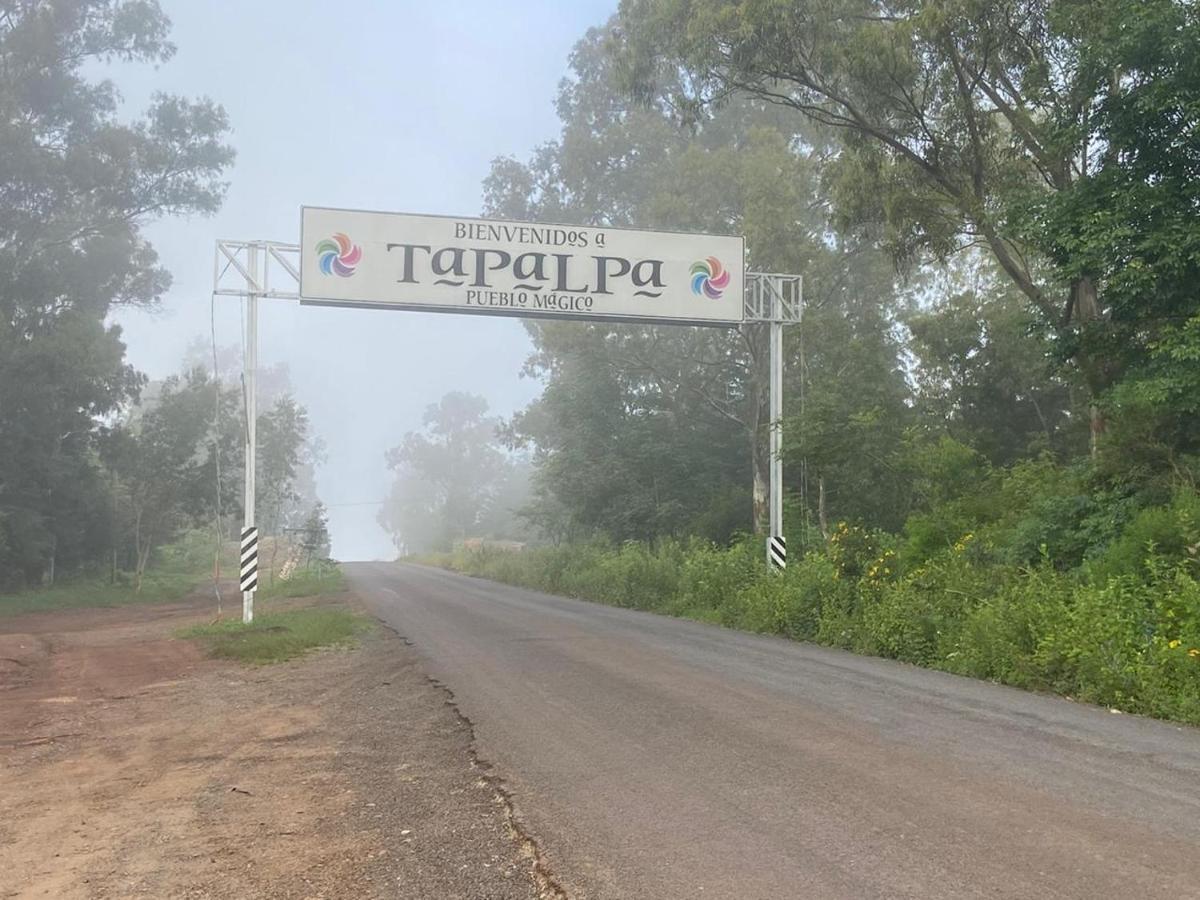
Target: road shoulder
pixel 134 767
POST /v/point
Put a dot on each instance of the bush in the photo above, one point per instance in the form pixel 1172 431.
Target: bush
pixel 1129 643
pixel 792 604
pixel 1126 640
pixel 713 580
pixel 999 638
pixel 1170 532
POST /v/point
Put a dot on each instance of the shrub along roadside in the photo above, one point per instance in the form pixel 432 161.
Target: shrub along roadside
pixel 177 570
pixel 1127 641
pixel 80 593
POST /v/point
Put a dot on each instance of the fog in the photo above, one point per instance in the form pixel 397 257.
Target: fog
pixel 377 106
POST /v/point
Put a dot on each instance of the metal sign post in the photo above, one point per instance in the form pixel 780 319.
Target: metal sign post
pixel 776 300
pixel 249 546
pixel 253 261
pixel 776 542
pixel 476 280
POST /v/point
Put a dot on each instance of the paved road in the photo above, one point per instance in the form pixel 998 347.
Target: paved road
pixel 659 758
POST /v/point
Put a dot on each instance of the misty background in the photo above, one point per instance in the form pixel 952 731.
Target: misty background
pixel 376 106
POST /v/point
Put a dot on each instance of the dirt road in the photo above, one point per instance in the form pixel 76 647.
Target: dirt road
pixel 130 767
pixel 660 758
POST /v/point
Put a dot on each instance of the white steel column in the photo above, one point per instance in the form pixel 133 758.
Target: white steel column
pixel 250 390
pixel 776 409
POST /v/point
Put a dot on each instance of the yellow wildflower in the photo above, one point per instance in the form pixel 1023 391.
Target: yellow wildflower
pixel 1173 644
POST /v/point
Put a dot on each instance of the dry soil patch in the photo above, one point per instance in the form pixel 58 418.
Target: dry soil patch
pixel 131 766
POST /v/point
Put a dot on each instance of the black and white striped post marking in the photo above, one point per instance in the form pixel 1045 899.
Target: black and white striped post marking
pixel 777 551
pixel 249 569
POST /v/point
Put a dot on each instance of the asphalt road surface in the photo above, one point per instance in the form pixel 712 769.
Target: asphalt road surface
pixel 657 758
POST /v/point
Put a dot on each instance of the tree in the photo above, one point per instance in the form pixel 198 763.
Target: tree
pixel 1006 124
pixel 447 475
pixel 282 438
pixel 984 371
pixel 288 453
pixel 76 187
pixel 314 535
pixel 166 460
pixel 621 445
pixel 678 439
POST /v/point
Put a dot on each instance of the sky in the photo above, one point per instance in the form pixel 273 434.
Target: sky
pixel 388 106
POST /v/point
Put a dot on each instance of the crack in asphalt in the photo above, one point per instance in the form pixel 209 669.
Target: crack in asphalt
pixel 547 883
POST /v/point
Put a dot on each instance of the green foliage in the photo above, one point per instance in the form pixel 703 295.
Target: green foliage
pixel 77 187
pixel 283 441
pixel 647 432
pixel 1155 411
pixel 1127 222
pixel 320 578
pixel 1128 641
pixel 163 461
pixel 1168 532
pixel 181 568
pixel 278 637
pixel 999 638
pixel 711 576
pixel 449 476
pixel 314 537
pixel 985 374
pixel 797 603
pixel 100 591
pixel 1059 135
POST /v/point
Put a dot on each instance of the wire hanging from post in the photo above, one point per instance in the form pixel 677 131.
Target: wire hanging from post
pixel 212 324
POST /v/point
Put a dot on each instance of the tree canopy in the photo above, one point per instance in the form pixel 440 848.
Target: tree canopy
pixel 77 186
pixel 1058 134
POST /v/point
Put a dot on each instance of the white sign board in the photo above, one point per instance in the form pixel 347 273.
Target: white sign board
pixel 447 264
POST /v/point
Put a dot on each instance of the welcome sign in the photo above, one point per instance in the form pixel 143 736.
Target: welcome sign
pixel 448 264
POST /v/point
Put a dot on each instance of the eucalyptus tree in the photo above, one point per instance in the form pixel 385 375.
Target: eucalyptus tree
pixel 677 443
pixel 77 185
pixel 164 457
pixel 1058 134
pixel 447 475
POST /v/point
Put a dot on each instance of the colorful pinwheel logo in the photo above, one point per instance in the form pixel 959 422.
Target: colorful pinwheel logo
pixel 709 278
pixel 338 255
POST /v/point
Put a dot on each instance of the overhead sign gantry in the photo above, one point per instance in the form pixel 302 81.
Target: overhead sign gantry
pixel 462 265
pixel 448 264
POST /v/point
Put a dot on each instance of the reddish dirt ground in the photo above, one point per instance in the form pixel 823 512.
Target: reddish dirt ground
pixel 134 767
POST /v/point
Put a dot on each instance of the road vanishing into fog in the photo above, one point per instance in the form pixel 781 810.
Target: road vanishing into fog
pixel 658 758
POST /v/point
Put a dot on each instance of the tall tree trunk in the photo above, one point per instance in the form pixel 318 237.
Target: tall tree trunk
pixel 1085 305
pixel 755 336
pixel 142 552
pixel 761 466
pixel 822 515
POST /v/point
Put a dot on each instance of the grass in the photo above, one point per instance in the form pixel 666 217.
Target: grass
pixel 176 570
pixel 276 637
pixel 182 568
pixel 321 579
pixel 159 587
